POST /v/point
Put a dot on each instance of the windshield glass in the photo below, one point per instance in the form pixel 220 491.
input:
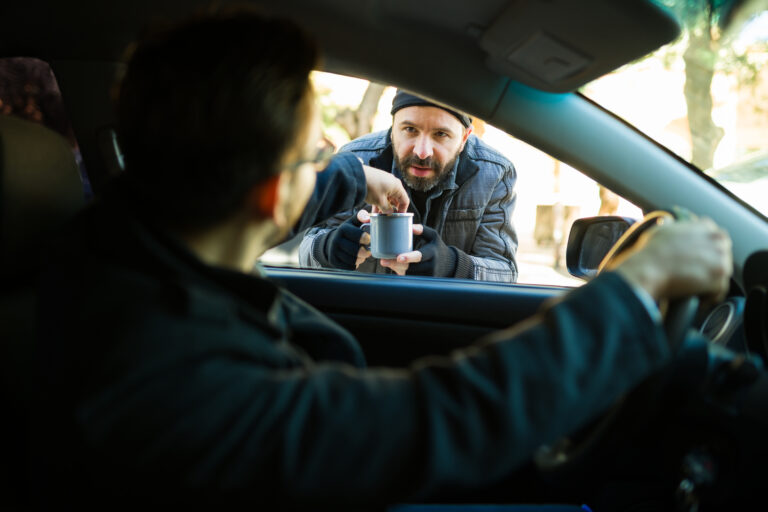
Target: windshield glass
pixel 705 95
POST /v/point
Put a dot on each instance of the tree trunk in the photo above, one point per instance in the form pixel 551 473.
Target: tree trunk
pixel 700 57
pixel 368 107
pixel 558 216
pixel 609 201
pixel 359 122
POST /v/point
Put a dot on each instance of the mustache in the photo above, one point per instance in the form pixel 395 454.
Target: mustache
pixel 413 160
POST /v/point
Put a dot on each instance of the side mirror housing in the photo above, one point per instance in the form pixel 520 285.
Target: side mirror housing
pixel 590 240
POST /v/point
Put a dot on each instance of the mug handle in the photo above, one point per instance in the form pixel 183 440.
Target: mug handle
pixel 367 228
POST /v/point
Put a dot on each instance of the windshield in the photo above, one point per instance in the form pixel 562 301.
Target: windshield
pixel 705 95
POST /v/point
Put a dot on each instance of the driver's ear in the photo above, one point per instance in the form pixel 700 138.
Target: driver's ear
pixel 284 195
pixel 262 200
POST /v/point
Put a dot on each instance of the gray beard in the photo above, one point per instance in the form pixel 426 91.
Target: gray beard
pixel 421 184
pixel 425 184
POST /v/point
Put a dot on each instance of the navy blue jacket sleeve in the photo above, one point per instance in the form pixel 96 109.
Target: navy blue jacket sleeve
pixel 330 431
pixel 341 186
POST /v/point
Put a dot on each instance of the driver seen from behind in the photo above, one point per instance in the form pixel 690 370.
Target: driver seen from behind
pixel 172 374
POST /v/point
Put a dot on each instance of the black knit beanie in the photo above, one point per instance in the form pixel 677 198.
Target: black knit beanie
pixel 404 99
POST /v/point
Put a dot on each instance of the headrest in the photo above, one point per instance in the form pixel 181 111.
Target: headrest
pixel 40 188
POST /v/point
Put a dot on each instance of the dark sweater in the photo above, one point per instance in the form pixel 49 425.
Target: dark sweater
pixel 168 378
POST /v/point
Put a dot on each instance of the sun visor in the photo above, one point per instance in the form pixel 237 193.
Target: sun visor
pixel 540 44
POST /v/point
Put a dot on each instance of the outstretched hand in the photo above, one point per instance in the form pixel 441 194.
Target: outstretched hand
pixel 344 246
pixel 385 191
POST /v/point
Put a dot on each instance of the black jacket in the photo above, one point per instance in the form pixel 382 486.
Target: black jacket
pixel 167 377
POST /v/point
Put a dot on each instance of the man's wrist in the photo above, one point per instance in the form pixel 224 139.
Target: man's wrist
pixel 465 267
pixel 641 292
pixel 643 275
pixel 319 248
pixel 648 302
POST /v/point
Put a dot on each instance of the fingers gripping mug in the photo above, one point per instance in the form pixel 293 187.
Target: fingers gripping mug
pixel 391 234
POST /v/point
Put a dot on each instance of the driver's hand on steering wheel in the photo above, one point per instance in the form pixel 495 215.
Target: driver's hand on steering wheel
pixel 685 258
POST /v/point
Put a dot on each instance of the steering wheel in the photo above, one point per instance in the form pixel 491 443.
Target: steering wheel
pixel 571 454
pixel 679 314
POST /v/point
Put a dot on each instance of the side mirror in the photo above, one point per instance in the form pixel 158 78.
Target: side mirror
pixel 590 240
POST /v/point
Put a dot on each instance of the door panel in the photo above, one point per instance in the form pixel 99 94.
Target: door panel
pixel 399 318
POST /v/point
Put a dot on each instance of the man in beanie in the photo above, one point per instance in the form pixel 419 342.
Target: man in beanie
pixel 461 189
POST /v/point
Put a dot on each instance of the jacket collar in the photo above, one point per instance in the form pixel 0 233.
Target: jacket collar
pixel 464 170
pixel 206 291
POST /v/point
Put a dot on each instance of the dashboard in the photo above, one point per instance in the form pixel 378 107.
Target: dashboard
pixel 740 322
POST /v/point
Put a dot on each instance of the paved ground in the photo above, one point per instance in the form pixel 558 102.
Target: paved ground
pixel 536 266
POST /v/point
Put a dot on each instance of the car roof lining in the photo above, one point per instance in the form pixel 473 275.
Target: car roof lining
pixel 427 49
pixel 534 42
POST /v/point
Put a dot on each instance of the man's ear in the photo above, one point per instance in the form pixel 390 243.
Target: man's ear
pixel 262 200
pixel 284 192
pixel 467 131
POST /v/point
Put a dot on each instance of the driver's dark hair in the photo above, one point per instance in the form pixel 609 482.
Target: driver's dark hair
pixel 207 109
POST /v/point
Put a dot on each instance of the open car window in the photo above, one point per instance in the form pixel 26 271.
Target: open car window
pixel 550 195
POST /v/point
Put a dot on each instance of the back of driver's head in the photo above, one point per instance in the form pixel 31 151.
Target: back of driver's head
pixel 208 108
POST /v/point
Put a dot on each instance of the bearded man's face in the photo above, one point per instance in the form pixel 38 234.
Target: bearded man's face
pixel 426 142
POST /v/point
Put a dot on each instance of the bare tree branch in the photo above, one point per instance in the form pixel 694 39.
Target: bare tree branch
pixel 359 122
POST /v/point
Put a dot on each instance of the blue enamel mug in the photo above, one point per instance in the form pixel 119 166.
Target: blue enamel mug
pixel 391 234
